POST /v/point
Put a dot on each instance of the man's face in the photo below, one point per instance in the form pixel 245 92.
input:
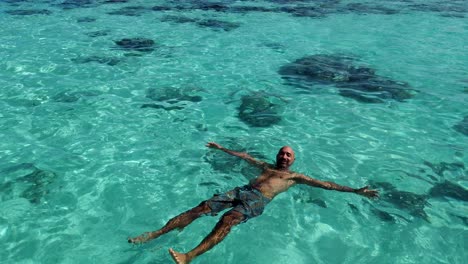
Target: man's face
pixel 284 158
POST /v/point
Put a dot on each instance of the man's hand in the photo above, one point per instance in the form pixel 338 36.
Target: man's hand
pixel 365 191
pixel 213 145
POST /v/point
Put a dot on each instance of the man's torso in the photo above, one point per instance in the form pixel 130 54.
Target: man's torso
pixel 272 181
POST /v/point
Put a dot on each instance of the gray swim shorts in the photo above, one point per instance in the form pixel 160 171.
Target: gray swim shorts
pixel 246 200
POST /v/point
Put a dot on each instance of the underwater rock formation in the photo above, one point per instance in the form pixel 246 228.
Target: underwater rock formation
pixel 116 1
pixel 161 8
pixel 223 163
pixel 382 215
pixel 98 33
pixel 86 20
pixel 111 61
pixel 375 90
pixel 353 81
pixel 444 8
pixel 130 11
pixel 229 164
pixel 28 12
pixel 173 95
pixel 462 127
pixel 27 181
pixel 257 110
pixel 449 189
pixel 298 8
pixel 441 167
pixel 307 195
pixel 72 4
pixel 321 8
pixel 366 8
pixel 410 202
pixel 178 19
pixel 214 24
pixel 74 96
pixel 171 98
pixel 136 44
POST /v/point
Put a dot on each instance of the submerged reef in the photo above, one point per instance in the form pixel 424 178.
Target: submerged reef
pixel 74 96
pixel 321 9
pixel 72 4
pixel 412 203
pixel 353 81
pixel 311 9
pixel 462 126
pixel 258 110
pixel 214 24
pixel 225 163
pixel 26 181
pixel 86 20
pixel 130 11
pixel 98 33
pixel 171 98
pixel 28 12
pixel 442 167
pixel 136 44
pixel 447 189
pixel 111 61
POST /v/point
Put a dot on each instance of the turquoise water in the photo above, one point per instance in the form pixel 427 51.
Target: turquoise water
pixel 101 142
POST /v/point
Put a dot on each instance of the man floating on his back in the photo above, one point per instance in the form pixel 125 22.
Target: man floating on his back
pixel 245 202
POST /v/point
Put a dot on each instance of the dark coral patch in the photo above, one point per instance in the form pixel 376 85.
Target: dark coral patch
pixel 172 98
pixel 325 69
pixel 214 24
pixel 218 24
pixel 383 215
pixel 410 202
pixel 375 90
pixel 178 19
pixel 111 61
pixel 353 81
pixel 167 108
pixel 136 44
pixel 442 167
pixel 462 126
pixel 28 12
pixel 161 8
pixel 226 164
pixel 258 110
pixel 99 33
pixel 363 8
pixel 86 19
pixel 130 11
pixel 27 181
pixel 173 95
pixel 115 1
pixel 74 96
pixel 449 189
pixel 72 4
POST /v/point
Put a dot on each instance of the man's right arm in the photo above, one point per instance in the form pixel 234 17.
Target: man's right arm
pixel 241 155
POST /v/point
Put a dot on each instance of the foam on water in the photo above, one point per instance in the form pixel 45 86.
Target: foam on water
pixel 100 142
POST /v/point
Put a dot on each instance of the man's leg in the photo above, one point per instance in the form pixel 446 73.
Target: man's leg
pixel 179 222
pixel 222 228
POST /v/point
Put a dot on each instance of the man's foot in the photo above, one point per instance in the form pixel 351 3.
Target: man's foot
pixel 179 258
pixel 141 238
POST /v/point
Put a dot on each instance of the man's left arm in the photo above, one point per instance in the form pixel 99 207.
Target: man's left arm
pixel 364 191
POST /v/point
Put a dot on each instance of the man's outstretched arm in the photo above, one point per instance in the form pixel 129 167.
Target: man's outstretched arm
pixel 241 155
pixel 364 191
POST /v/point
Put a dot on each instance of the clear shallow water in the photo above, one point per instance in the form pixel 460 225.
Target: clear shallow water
pixel 84 166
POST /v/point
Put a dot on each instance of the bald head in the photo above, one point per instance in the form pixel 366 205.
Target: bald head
pixel 285 158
